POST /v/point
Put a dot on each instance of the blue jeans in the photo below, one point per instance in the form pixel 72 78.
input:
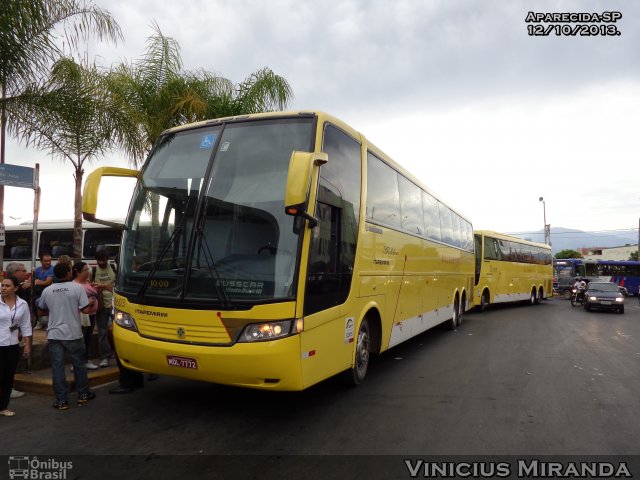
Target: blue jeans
pixel 75 349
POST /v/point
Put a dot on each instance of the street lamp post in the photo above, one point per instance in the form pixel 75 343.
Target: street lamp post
pixel 547 227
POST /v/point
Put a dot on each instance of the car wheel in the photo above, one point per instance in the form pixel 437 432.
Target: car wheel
pixel 587 307
pixel 621 309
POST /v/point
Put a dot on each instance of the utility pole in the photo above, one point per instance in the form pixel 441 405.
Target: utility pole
pixel 547 227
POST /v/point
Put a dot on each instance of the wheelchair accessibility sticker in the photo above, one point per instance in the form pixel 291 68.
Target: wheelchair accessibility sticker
pixel 208 141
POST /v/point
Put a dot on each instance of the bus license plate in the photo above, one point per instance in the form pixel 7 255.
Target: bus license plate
pixel 182 362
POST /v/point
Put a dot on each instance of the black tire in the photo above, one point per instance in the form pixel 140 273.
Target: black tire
pixel 587 307
pixel 533 297
pixel 362 353
pixel 621 309
pixel 484 301
pixel 460 313
pixel 573 300
pixel 453 323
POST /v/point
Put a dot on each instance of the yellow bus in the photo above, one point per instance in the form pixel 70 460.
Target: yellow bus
pixel 509 269
pixel 279 250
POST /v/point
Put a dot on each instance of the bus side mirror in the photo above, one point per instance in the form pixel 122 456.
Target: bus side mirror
pixel 91 188
pixel 296 196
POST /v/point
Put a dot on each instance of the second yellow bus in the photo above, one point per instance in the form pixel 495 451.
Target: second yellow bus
pixel 510 269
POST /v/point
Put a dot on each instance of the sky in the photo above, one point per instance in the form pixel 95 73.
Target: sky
pixel 487 116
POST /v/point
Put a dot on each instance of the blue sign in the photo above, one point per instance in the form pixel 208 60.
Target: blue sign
pixel 208 140
pixel 16 176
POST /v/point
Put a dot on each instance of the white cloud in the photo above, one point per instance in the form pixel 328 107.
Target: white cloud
pixel 486 115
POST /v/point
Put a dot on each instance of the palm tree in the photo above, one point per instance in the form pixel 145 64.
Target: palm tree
pixel 73 116
pixel 160 95
pixel 30 43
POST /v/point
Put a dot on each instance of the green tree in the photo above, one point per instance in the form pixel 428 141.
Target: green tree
pixel 568 254
pixel 159 94
pixel 73 115
pixel 33 35
pixel 633 256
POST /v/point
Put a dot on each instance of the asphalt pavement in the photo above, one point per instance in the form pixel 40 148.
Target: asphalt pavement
pixel 518 380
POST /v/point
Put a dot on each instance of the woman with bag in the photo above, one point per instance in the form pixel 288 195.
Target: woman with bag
pixel 81 272
pixel 14 319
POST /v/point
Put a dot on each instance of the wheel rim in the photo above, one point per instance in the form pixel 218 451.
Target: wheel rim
pixel 362 350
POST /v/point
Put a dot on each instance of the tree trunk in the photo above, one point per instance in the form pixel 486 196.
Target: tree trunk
pixel 77 216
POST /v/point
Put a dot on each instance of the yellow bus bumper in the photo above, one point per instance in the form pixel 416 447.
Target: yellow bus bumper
pixel 271 365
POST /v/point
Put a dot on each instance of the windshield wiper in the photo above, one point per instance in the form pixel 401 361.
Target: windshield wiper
pixel 211 265
pixel 156 264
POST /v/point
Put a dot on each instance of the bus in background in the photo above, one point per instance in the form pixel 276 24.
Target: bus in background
pixel 285 249
pixel 625 273
pixel 509 269
pixel 565 272
pixel 56 238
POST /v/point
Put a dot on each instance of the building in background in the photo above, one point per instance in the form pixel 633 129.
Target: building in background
pixel 608 253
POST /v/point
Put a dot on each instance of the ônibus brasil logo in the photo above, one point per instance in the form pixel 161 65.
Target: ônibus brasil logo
pixel 33 468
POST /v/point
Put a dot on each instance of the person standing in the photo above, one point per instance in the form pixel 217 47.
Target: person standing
pixel 81 272
pixel 43 278
pixel 103 279
pixel 14 317
pixel 18 270
pixel 64 302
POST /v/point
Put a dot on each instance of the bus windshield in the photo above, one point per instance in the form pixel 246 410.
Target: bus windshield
pixel 207 221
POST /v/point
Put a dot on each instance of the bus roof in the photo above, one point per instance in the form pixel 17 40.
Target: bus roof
pixel 322 117
pixel 511 238
pixel 52 225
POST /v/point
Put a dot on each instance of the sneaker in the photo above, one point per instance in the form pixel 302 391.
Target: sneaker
pixel 17 394
pixel 85 397
pixel 91 366
pixel 61 405
pixel 104 363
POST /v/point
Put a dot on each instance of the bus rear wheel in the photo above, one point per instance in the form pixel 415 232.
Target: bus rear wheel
pixel 362 354
pixel 453 323
pixel 533 299
pixel 484 301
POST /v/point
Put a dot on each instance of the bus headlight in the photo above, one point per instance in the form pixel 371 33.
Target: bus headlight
pixel 270 330
pixel 125 321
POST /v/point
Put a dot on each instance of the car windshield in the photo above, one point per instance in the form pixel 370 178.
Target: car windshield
pixel 603 287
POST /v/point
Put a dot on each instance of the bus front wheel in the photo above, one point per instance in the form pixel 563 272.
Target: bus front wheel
pixel 363 353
